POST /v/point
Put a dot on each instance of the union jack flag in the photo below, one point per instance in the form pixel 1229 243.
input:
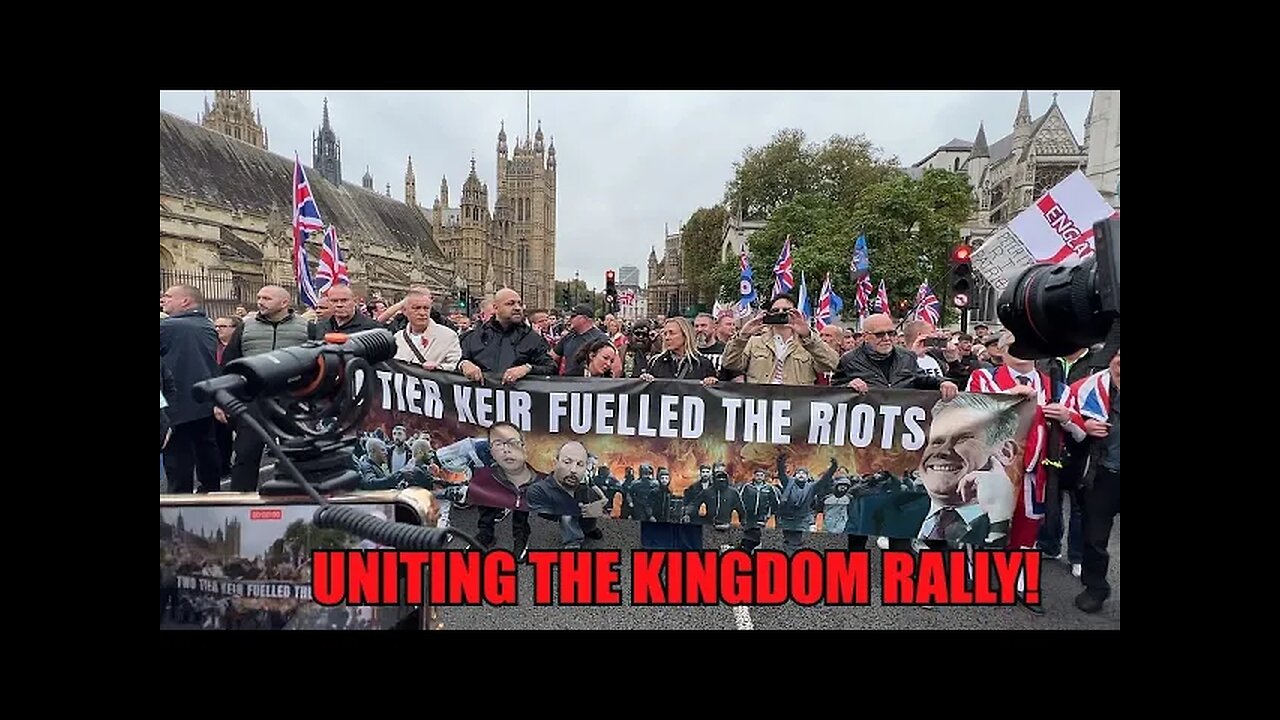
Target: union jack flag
pixel 783 280
pixel 882 299
pixel 829 305
pixel 863 297
pixel 928 308
pixel 306 220
pixel 1089 399
pixel 331 270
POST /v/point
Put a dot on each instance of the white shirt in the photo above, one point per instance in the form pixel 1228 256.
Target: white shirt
pixel 437 345
pixel 928 365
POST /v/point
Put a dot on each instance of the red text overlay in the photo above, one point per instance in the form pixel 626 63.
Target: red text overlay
pixel 767 577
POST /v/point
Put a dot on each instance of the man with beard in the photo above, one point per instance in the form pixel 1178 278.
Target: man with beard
pixel 759 501
pixel 566 497
pixel 720 501
pixel 692 497
pixel 971 498
pixel 704 330
pixel 635 360
pixel 399 451
pixel 501 487
pixel 505 345
pixel 835 506
pixel 375 470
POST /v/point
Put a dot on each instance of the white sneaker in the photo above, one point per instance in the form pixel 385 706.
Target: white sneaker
pixel 1076 569
pixel 882 542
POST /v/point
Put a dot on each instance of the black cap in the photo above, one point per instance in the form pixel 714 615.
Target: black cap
pixel 583 310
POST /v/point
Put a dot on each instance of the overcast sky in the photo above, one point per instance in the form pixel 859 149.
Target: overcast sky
pixel 629 162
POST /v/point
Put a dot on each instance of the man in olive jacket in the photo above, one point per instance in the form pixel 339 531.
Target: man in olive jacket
pixel 275 326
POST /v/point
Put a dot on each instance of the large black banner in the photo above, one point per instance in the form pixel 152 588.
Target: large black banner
pixel 897 463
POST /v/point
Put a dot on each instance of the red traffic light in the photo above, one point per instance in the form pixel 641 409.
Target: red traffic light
pixel 961 253
pixel 608 275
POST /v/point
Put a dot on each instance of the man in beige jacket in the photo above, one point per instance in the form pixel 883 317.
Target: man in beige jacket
pixel 779 354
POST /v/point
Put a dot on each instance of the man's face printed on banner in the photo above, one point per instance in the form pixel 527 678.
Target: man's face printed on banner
pixel 964 440
pixel 507 447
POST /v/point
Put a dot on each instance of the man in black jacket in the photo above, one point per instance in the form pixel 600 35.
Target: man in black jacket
pixel 188 348
pixel 345 318
pixel 877 362
pixel 505 345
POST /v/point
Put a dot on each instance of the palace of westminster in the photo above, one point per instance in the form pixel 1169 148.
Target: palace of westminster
pixel 226 212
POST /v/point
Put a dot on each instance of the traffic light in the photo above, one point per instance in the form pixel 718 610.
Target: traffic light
pixel 961 275
pixel 564 297
pixel 610 292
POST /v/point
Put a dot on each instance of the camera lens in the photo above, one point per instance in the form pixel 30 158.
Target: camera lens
pixel 1053 310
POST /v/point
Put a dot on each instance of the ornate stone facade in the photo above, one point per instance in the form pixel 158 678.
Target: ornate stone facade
pixel 667 293
pixel 514 245
pixel 225 214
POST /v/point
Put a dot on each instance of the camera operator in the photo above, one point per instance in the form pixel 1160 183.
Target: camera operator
pixel 777 348
pixel 1094 403
pixel 881 364
pixel 273 327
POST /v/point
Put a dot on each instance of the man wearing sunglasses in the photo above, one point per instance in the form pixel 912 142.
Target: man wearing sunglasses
pixel 879 363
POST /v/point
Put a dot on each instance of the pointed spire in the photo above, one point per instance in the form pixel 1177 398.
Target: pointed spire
pixel 502 138
pixel 473 163
pixel 1055 99
pixel 388 189
pixel 1024 111
pixel 980 149
pixel 325 123
pixel 408 173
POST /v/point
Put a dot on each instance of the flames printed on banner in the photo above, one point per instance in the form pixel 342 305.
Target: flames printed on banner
pixel 681 457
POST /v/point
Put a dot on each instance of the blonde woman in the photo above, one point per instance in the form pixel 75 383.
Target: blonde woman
pixel 680 359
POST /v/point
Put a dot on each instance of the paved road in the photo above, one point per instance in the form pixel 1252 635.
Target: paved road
pixel 1059 589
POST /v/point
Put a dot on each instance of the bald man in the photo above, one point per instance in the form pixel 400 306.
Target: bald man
pixel 343 317
pixel 273 327
pixel 567 496
pixel 188 348
pixel 506 345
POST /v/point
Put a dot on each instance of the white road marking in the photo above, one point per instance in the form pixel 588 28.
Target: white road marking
pixel 741 614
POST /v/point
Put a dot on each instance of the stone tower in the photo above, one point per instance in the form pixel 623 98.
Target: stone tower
pixel 527 184
pixel 476 251
pixel 410 186
pixel 367 181
pixel 326 151
pixel 232 115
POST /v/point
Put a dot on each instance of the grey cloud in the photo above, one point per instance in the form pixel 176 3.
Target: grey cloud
pixel 629 162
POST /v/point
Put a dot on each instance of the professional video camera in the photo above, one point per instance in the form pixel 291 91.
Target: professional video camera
pixel 313 397
pixel 1054 310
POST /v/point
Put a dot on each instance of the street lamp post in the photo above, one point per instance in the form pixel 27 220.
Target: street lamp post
pixel 573 289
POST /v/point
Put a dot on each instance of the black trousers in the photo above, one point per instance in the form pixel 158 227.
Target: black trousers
pixel 222 433
pixel 1101 505
pixel 192 453
pixel 247 466
pixel 519 527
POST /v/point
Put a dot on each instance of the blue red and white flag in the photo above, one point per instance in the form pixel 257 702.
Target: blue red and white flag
pixel 331 270
pixel 928 308
pixel 306 220
pixel 783 279
pixel 829 305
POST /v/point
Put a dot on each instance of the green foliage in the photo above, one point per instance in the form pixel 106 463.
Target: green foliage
pixel 580 293
pixel 823 196
pixel 701 240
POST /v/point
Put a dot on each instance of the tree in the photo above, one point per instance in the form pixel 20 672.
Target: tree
pixel 911 227
pixel 700 243
pixel 840 169
pixel 301 538
pixel 579 294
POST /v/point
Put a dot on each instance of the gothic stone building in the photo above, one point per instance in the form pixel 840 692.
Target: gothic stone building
pixel 667 293
pixel 1009 174
pixel 226 210
pixel 514 245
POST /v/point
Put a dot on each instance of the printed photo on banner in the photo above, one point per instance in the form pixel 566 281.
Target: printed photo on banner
pixel 249 567
pixel 895 463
